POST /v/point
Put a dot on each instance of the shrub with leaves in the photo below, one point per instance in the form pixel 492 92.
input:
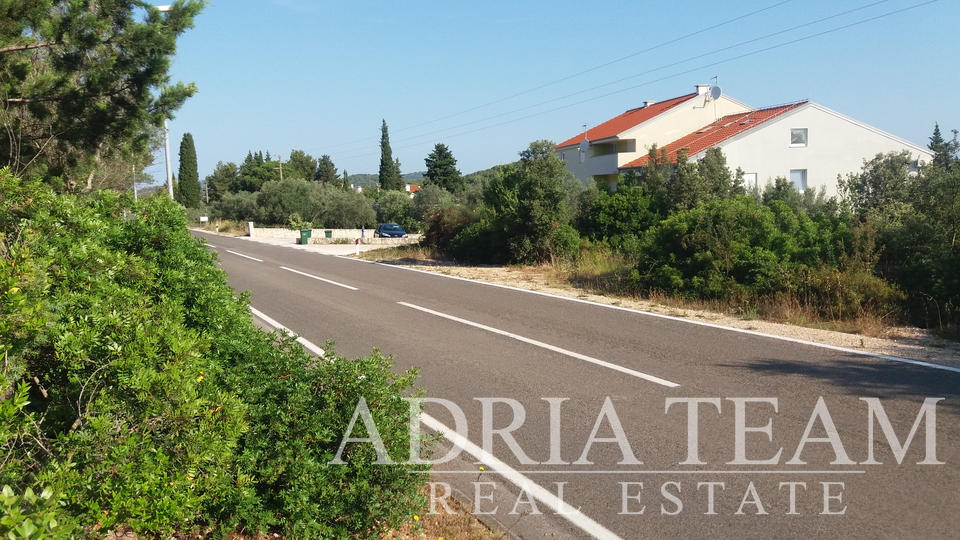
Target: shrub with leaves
pixel 140 412
pixel 737 250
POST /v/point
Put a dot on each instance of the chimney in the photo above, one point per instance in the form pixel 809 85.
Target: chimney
pixel 702 89
pixel 648 103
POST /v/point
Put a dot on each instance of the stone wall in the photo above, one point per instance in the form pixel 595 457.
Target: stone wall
pixel 264 232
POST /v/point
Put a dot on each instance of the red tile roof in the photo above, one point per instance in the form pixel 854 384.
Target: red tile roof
pixel 627 120
pixel 718 132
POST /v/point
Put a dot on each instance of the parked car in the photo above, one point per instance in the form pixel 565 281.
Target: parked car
pixel 390 230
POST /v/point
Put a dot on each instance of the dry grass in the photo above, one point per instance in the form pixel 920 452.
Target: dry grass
pixel 459 526
pixel 226 227
pixel 406 254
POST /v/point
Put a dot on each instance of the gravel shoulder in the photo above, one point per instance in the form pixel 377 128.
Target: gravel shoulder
pixel 901 341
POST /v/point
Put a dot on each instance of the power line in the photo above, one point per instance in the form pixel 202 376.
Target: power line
pixel 727 60
pixel 664 44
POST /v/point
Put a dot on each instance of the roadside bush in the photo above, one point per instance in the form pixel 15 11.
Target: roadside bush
pixel 738 251
pixel 300 411
pixel 141 412
pixel 397 207
pixel 479 243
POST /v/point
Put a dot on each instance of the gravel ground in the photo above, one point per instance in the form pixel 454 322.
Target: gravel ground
pixel 905 342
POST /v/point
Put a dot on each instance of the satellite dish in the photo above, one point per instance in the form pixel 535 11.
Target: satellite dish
pixel 584 145
pixel 715 92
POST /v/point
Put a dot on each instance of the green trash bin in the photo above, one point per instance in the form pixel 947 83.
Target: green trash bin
pixel 328 233
pixel 305 236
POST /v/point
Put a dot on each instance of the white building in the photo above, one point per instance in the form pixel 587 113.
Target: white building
pixel 804 141
pixel 623 139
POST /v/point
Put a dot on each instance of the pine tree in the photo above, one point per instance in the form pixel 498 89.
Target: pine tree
pixel 189 186
pixel 326 172
pixel 82 79
pixel 389 175
pixel 944 152
pixel 442 169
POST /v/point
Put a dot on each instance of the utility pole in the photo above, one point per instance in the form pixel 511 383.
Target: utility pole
pixel 280 160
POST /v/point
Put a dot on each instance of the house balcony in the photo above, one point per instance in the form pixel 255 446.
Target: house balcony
pixel 600 165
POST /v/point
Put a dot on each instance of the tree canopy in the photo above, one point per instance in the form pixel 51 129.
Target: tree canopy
pixel 442 169
pixel 81 82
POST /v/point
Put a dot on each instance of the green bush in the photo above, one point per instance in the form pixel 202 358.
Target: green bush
pixel 300 410
pixel 737 250
pixel 143 413
pixel 34 517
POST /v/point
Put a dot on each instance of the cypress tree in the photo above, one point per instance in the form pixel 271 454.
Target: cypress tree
pixel 389 175
pixel 189 186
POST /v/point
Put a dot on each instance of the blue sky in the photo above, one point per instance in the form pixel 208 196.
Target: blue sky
pixel 481 77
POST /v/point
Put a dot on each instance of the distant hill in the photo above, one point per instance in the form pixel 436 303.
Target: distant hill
pixel 368 180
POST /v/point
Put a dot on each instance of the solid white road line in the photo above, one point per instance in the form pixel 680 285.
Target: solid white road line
pixel 573 515
pixel 301 340
pixel 547 346
pixel 321 279
pixel 679 319
pixel 242 255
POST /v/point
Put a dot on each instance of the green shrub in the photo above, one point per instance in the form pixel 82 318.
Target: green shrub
pixel 300 410
pixel 143 413
pixel 34 517
pixel 739 251
pixel 479 243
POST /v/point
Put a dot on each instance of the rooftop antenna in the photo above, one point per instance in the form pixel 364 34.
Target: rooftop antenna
pixel 715 93
pixel 584 145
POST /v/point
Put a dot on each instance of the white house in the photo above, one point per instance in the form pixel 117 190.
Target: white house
pixel 625 138
pixel 804 142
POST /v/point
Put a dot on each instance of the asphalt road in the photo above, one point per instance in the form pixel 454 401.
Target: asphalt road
pixel 592 385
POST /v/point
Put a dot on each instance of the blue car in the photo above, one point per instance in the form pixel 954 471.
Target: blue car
pixel 390 230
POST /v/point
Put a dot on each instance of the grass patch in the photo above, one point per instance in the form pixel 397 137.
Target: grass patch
pixel 406 254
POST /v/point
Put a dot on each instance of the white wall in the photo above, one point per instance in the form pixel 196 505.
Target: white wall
pixel 835 145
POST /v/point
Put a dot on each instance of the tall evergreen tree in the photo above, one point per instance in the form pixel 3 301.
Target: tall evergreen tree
pixel 326 172
pixel 189 186
pixel 389 175
pixel 442 169
pixel 944 152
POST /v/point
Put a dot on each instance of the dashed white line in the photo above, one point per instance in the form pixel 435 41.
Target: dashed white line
pixel 242 255
pixel 320 278
pixel 547 346
pixel 891 358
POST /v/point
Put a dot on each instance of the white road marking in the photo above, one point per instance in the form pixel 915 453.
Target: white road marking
pixel 586 524
pixel 679 319
pixel 321 279
pixel 211 245
pixel 301 340
pixel 242 255
pixel 547 346
pixel 489 461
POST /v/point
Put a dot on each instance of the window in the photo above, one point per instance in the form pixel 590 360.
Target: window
pixel 798 137
pixel 563 156
pixel 799 179
pixel 750 180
